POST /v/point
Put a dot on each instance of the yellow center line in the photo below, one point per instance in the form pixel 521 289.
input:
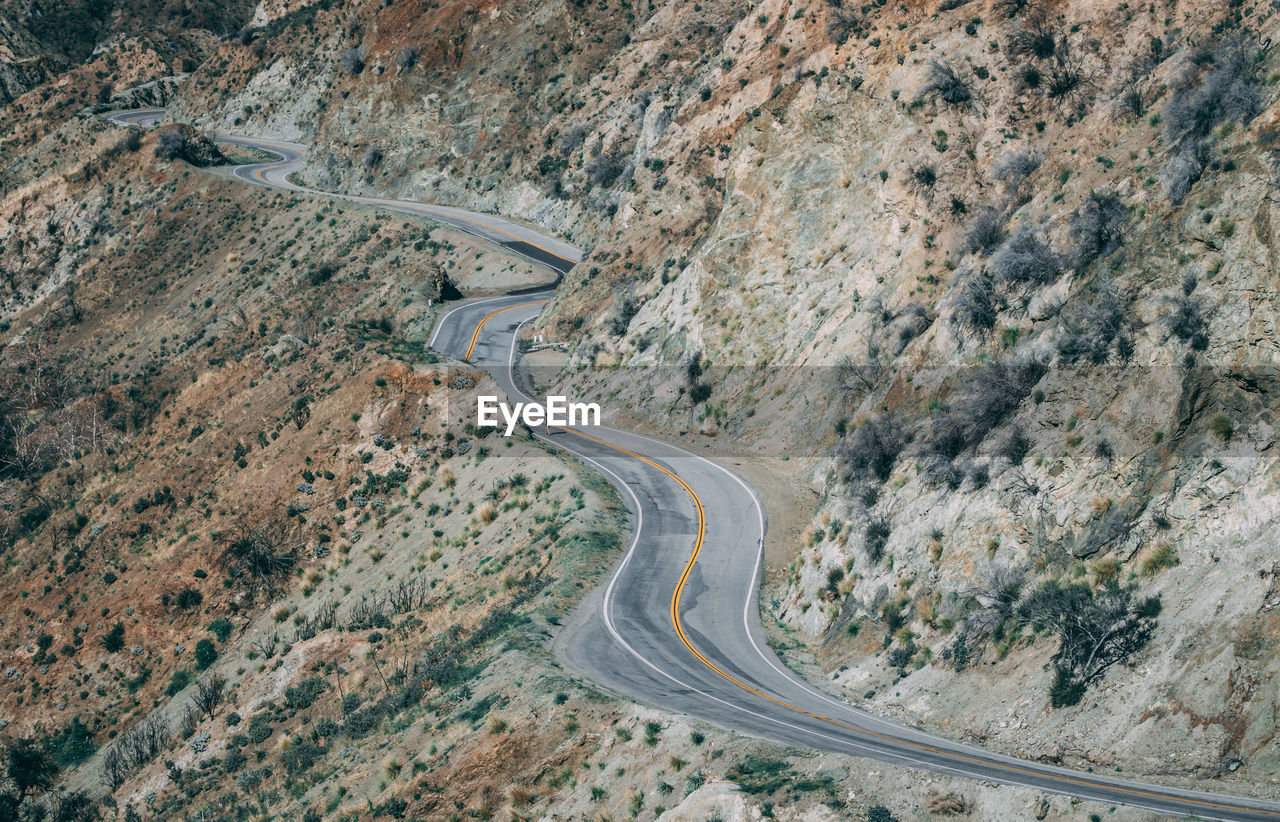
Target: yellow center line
pixel 679 627
pixel 476 335
pixel 697 549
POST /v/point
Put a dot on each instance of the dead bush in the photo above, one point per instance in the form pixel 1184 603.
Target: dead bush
pixel 1182 171
pixel 1228 93
pixel 912 321
pixel 944 83
pixel 351 61
pixel 1035 36
pixel 1088 331
pixel 871 450
pixel 1097 228
pixel 1014 170
pixel 259 554
pixel 1184 318
pixel 171 144
pixel 975 308
pixel 978 407
pixel 995 596
pixel 985 231
pixel 1025 262
pixel 843 23
pixel 948 804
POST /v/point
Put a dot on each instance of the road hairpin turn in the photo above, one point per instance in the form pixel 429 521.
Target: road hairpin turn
pixel 677 624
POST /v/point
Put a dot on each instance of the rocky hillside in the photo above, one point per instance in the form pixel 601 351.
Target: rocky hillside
pixel 254 557
pixel 995 281
pixel 1019 254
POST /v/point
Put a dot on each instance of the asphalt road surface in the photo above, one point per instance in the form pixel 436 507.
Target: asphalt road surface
pixel 532 244
pixel 677 625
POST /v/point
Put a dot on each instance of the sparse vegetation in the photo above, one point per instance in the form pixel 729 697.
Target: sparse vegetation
pixel 1025 262
pixel 944 83
pixel 1095 631
pixel 985 232
pixel 351 61
pixel 977 408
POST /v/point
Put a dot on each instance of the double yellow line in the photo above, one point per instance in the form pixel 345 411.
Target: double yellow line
pixel 476 336
pixel 697 550
pixel 679 628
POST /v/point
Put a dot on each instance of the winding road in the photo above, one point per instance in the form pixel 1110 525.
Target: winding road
pixel 677 625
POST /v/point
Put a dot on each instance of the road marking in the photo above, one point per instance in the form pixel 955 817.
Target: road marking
pixel 679 627
pixel 424 209
pixel 688 568
pixel 441 322
pixel 476 335
pixel 419 208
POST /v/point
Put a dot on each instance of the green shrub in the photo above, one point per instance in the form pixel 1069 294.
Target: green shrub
pixel 879 813
pixel 259 729
pixel 114 639
pixel 233 761
pixel 206 654
pixel 221 628
pixel 71 745
pixel 300 756
pixel 188 598
pixel 181 679
pixel 761 775
pixel 304 693
pixel 1095 629
pixel 1222 427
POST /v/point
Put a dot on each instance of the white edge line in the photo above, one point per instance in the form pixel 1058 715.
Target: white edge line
pixel 880 754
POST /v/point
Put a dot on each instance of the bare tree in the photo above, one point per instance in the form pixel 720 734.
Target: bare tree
pixel 996 595
pixel 266 645
pixel 238 316
pixel 75 806
pixel 1095 630
pixel 258 553
pixel 855 379
pixel 408 594
pixel 135 748
pixel 209 694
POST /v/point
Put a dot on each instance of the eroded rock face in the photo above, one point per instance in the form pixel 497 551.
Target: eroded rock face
pixel 767 188
pixel 181 141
